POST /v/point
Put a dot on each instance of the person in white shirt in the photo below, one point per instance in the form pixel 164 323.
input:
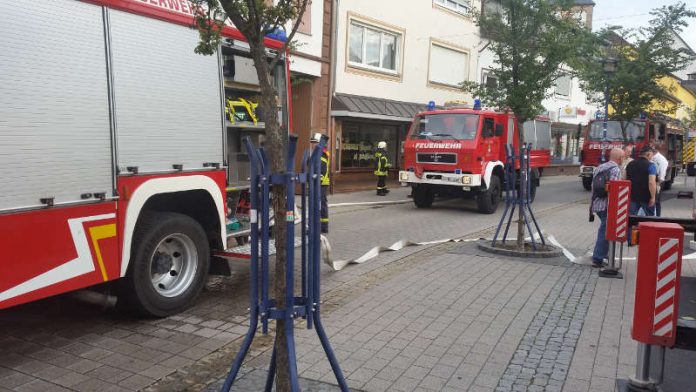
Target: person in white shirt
pixel 661 163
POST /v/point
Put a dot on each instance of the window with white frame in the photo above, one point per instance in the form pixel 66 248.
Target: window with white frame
pixel 373 48
pixel 461 6
pixel 448 66
pixel 563 85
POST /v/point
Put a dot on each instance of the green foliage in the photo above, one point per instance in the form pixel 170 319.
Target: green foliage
pixel 691 121
pixel 645 56
pixel 209 20
pixel 530 40
pixel 254 18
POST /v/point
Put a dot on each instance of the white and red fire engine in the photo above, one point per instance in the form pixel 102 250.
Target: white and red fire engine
pixel 460 152
pixel 665 134
pixel 117 144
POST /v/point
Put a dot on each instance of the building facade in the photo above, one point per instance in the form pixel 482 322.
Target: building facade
pixel 391 58
pixel 310 73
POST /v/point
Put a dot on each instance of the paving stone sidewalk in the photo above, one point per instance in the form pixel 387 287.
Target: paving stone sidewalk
pixel 464 322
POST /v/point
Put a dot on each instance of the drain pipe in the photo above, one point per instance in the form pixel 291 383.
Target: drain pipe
pixel 334 52
pixel 331 130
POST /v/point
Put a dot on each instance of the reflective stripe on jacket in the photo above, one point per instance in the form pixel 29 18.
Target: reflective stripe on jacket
pixel 382 164
pixel 325 180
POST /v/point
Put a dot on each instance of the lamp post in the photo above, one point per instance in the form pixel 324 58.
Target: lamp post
pixel 609 65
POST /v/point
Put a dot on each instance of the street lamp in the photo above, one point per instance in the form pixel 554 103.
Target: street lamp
pixel 609 65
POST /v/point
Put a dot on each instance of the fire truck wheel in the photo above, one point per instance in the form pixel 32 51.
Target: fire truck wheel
pixel 169 264
pixel 423 197
pixel 488 200
pixel 587 183
pixel 532 191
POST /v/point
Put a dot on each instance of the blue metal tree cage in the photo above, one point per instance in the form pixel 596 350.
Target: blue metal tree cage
pixel 515 199
pixel 307 305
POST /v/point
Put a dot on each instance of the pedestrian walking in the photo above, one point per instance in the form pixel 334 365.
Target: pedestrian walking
pixel 325 180
pixel 642 173
pixel 608 171
pixel 627 158
pixel 382 166
pixel 662 164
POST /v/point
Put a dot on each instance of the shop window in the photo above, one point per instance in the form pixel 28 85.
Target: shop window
pixel 563 85
pixel 359 144
pixel 373 48
pixel 460 6
pixel 448 66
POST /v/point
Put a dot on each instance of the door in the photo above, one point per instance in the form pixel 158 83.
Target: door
pixel 491 142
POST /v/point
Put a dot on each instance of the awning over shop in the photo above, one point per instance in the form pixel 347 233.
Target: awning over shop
pixel 346 105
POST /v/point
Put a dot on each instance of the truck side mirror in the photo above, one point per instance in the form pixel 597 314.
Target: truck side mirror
pixel 499 129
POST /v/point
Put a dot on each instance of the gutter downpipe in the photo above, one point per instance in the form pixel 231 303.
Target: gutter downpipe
pixel 332 81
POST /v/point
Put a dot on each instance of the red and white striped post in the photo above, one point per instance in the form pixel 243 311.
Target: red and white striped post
pixel 657 293
pixel 617 223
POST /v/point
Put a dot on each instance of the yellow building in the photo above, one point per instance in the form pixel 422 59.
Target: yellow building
pixel 679 100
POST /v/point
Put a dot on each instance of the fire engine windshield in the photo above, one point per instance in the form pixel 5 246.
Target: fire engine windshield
pixel 445 126
pixel 635 131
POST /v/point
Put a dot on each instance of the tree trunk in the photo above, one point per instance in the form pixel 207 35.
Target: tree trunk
pixel 275 145
pixel 523 185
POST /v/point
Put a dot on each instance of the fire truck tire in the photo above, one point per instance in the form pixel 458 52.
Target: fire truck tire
pixel 423 197
pixel 169 264
pixel 532 191
pixel 587 183
pixel 487 201
pixel 691 169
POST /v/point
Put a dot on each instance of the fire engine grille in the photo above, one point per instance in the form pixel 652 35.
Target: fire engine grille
pixel 433 157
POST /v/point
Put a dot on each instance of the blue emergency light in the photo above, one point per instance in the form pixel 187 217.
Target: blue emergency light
pixel 477 104
pixel 431 106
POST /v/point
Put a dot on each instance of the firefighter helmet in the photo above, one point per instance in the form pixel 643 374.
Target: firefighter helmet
pixel 382 145
pixel 316 138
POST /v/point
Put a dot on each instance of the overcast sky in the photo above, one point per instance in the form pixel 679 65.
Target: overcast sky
pixel 635 13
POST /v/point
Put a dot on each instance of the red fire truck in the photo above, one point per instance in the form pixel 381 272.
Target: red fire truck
pixel 667 137
pixel 460 152
pixel 117 145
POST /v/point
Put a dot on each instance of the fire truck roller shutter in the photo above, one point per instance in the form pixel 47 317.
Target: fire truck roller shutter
pixel 167 98
pixel 54 111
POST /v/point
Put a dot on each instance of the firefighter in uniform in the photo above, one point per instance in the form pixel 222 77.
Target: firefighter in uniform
pixel 325 181
pixel 382 168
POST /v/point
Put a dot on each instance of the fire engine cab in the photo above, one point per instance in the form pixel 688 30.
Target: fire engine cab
pixel 460 152
pixel 118 145
pixel 667 137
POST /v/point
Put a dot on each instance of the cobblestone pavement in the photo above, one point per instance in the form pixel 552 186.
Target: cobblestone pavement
pixel 422 318
pixel 543 357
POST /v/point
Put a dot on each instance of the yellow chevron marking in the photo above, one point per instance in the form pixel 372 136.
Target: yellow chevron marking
pixel 690 151
pixel 99 233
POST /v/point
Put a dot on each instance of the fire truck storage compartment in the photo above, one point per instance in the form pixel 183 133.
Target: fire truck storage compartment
pixel 168 100
pixel 242 96
pixel 54 111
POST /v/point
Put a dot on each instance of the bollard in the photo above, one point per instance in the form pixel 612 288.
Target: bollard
pixel 617 224
pixel 655 314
